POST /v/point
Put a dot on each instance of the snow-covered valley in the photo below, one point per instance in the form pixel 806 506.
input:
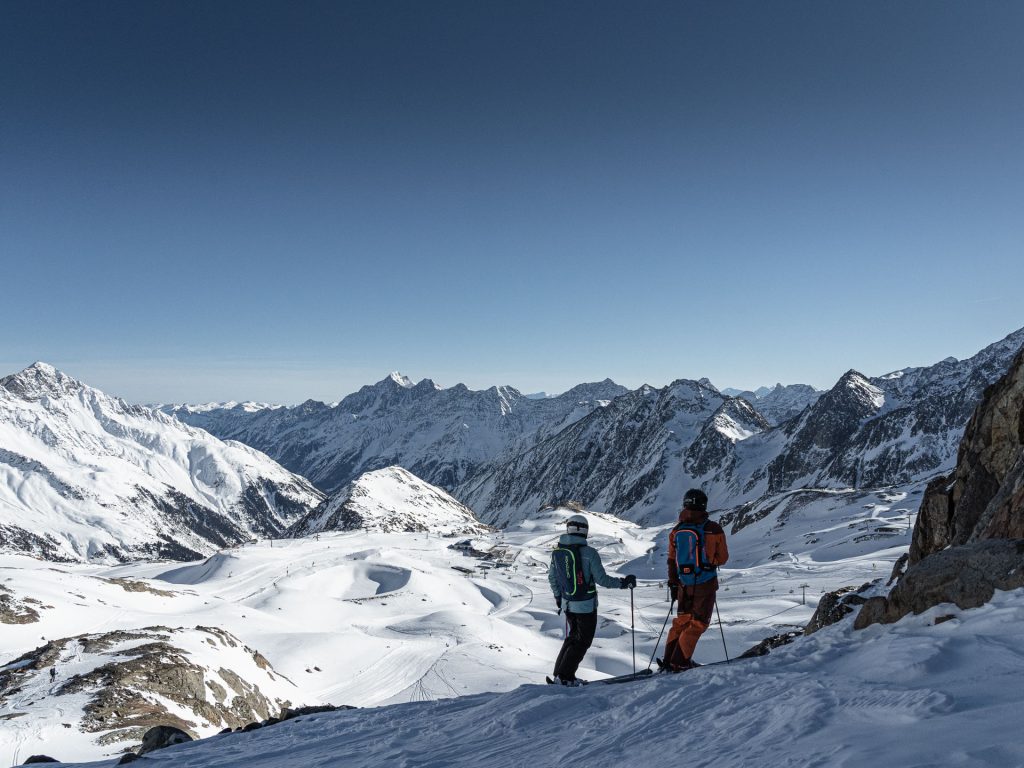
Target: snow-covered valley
pixel 939 689
pixel 368 619
pixel 390 596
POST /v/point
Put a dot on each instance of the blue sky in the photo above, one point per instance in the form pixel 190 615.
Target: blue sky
pixel 280 201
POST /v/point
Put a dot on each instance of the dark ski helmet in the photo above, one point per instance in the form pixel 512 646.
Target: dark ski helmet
pixel 577 524
pixel 696 499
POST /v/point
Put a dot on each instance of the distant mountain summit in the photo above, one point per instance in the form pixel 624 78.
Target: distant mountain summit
pixel 778 403
pixel 389 500
pixel 84 475
pixel 442 435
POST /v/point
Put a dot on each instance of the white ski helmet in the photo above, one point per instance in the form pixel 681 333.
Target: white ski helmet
pixel 577 524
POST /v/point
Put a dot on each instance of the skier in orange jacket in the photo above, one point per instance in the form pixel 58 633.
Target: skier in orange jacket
pixel 696 548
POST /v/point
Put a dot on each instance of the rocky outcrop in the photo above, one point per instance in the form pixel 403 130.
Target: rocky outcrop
pixel 966 576
pixel 969 537
pixel 835 606
pixel 14 611
pixel 769 644
pixel 984 497
pixel 128 682
pixel 988 491
pixel 161 737
pixel 934 520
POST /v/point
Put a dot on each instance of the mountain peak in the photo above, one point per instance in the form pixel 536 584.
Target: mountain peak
pixel 858 385
pixel 39 380
pixel 403 381
pixel 391 499
pixel 43 369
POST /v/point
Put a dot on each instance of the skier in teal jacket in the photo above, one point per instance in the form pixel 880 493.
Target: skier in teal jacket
pixel 574 574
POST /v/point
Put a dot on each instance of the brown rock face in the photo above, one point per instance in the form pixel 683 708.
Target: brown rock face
pixel 14 611
pixel 988 490
pixel 969 536
pixel 934 520
pixel 834 607
pixel 136 680
pixel 966 576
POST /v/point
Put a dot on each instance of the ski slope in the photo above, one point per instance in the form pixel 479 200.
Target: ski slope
pixel 912 694
pixel 371 619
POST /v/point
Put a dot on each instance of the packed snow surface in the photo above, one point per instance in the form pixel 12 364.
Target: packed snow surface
pixel 918 693
pixel 371 619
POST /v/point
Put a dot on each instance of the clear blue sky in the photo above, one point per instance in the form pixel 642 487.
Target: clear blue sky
pixel 287 200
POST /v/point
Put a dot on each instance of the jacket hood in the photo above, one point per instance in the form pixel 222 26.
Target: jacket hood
pixel 693 516
pixel 572 538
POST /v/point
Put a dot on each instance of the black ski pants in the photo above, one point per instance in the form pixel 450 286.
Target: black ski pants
pixel 582 627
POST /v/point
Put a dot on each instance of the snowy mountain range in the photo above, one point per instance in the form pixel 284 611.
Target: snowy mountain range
pixel 636 457
pixel 441 435
pixel 631 453
pixel 420 619
pixel 86 476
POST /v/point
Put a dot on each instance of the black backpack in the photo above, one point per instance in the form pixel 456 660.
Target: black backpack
pixel 569 574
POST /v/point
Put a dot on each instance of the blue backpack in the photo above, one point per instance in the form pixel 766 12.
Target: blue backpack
pixel 691 557
pixel 569 573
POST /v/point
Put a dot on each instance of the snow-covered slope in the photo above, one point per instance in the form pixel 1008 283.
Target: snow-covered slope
pixel 84 475
pixel 390 499
pixel 944 688
pixel 442 435
pixel 365 618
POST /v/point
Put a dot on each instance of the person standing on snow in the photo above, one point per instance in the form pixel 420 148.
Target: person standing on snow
pixel 696 548
pixel 574 574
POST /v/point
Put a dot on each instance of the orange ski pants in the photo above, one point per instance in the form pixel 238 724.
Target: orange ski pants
pixel 696 604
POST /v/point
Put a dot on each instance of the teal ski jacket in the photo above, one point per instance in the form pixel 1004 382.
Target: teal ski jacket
pixel 593 571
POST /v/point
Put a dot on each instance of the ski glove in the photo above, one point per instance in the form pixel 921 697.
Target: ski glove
pixel 673 591
pixel 627 582
pixel 558 602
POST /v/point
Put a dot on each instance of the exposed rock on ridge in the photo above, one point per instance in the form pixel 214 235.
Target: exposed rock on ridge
pixel 123 683
pixel 969 536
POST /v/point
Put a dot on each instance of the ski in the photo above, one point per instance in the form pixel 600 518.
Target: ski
pixel 627 678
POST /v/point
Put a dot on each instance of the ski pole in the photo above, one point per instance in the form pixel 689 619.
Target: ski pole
pixel 658 641
pixel 632 627
pixel 727 661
